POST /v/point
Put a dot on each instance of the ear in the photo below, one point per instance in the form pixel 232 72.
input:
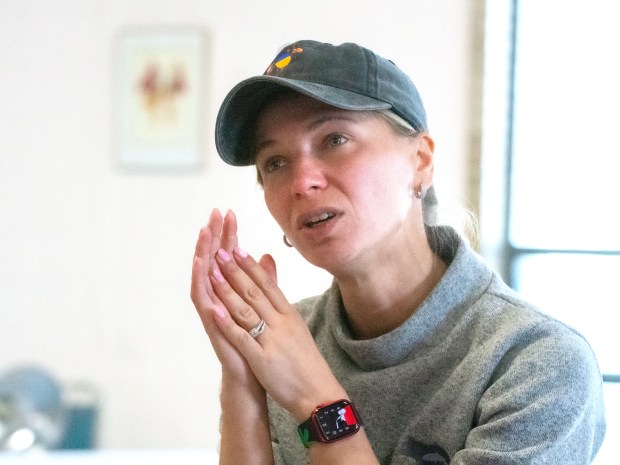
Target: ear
pixel 424 160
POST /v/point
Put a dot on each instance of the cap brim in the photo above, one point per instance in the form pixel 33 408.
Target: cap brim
pixel 240 109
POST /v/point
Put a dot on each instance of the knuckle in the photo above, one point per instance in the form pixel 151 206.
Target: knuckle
pixel 253 292
pixel 269 284
pixel 227 290
pixel 245 312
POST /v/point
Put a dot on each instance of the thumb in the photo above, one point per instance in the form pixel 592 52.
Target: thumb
pixel 269 265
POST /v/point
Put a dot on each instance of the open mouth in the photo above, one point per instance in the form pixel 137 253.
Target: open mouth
pixel 317 220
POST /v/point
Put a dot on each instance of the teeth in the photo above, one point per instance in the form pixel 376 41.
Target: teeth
pixel 321 217
pixel 317 219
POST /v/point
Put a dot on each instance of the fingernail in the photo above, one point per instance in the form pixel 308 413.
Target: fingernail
pixel 239 251
pixel 224 256
pixel 217 274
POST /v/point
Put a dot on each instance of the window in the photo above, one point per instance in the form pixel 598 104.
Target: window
pixel 552 106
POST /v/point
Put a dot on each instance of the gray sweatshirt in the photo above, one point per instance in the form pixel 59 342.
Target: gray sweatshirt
pixel 475 376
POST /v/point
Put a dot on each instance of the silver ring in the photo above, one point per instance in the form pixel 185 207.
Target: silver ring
pixel 258 329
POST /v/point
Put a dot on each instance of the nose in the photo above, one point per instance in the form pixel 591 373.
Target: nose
pixel 308 176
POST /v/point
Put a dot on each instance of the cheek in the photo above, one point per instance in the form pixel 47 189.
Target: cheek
pixel 385 184
pixel 277 208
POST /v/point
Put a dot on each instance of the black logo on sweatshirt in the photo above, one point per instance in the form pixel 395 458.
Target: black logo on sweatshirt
pixel 425 454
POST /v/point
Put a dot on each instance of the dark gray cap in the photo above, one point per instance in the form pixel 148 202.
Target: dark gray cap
pixel 345 76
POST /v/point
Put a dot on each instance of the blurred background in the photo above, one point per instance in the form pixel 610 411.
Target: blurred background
pixel 96 238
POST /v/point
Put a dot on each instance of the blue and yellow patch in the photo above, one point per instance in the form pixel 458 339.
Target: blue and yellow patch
pixel 283 59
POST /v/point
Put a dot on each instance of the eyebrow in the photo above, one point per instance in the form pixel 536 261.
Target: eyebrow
pixel 263 145
pixel 353 116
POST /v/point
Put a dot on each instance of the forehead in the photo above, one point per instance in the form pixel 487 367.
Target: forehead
pixel 293 106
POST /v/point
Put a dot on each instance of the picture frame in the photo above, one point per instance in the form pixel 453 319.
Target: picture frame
pixel 159 91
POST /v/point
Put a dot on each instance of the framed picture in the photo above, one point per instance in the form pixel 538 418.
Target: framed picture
pixel 160 81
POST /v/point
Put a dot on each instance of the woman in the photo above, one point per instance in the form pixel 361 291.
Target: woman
pixel 418 353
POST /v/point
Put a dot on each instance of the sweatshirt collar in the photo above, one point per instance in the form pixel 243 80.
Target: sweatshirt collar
pixel 464 281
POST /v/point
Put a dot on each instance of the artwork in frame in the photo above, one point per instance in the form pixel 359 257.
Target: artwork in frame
pixel 160 81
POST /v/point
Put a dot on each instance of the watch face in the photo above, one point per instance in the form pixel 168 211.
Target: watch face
pixel 337 420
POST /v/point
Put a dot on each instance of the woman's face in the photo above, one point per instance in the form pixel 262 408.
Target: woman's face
pixel 340 183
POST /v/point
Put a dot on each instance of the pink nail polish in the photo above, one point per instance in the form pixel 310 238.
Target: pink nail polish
pixel 224 256
pixel 217 274
pixel 239 251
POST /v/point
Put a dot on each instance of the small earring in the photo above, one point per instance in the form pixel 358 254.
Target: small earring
pixel 286 241
pixel 420 193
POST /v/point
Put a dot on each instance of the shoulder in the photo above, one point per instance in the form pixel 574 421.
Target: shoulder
pixel 493 319
pixel 544 381
pixel 534 350
pixel 507 309
pixel 502 313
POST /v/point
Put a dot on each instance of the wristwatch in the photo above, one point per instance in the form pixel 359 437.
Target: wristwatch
pixel 330 422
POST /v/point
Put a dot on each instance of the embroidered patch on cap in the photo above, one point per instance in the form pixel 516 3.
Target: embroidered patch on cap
pixel 283 59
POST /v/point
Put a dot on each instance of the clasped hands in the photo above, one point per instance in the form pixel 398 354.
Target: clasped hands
pixel 232 292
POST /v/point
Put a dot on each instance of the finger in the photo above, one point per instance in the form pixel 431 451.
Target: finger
pixel 215 226
pixel 201 287
pixel 237 335
pixel 245 301
pixel 229 232
pixel 219 341
pixel 242 296
pixel 201 290
pixel 269 265
pixel 264 275
pixel 203 244
pixel 224 349
pixel 206 305
pixel 200 280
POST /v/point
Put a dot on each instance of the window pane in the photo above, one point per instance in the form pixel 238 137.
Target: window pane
pixel 582 291
pixel 566 155
pixel 608 455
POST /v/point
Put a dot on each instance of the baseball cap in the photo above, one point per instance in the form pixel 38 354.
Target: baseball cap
pixel 346 76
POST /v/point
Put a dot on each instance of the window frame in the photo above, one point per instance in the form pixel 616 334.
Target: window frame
pixel 500 67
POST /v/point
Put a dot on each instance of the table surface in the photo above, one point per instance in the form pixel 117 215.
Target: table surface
pixel 113 457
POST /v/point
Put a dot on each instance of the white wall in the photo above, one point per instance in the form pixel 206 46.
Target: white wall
pixel 95 262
